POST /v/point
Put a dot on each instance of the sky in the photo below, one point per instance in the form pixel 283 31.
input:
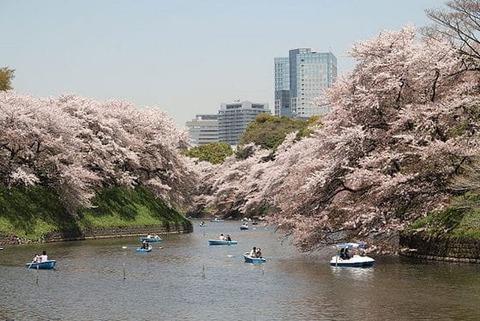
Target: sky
pixel 185 57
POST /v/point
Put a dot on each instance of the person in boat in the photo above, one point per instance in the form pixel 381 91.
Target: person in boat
pixel 43 257
pixel 202 223
pixel 228 238
pixel 347 254
pixel 36 259
pixel 344 254
pixel 258 252
pixel 144 244
pixel 253 252
pixel 222 237
pixel 149 236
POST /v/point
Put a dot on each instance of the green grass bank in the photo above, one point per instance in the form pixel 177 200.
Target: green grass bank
pixel 460 219
pixel 452 234
pixel 30 213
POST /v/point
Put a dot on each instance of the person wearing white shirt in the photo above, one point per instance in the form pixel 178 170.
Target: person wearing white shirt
pixel 43 257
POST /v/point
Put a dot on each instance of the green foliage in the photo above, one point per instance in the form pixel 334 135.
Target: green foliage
pixel 6 76
pixel 269 131
pixel 31 212
pixel 214 153
pixel 459 219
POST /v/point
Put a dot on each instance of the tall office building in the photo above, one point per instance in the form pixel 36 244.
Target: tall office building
pixel 203 129
pixel 233 119
pixel 309 74
pixel 282 87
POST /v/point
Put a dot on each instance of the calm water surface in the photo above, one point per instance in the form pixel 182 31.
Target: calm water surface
pixel 184 278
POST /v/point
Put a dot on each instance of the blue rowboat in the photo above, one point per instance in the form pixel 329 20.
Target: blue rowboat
pixel 220 242
pixel 217 220
pixel 46 265
pixel 150 239
pixel 148 249
pixel 249 259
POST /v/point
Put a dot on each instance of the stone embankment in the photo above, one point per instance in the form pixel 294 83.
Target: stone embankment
pixel 100 232
pixel 441 248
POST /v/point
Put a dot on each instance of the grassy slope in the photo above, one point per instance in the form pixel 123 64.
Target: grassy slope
pixel 460 219
pixel 29 213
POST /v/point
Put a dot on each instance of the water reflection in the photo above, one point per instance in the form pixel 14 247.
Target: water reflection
pixel 187 279
pixel 357 274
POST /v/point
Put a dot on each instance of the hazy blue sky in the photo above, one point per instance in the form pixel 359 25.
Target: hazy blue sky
pixel 183 56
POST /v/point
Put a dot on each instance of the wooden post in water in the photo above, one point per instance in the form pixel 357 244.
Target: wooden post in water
pixel 38 272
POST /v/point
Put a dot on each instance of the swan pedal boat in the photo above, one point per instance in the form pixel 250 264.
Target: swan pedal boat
pixel 221 242
pixel 46 265
pixel 355 260
pixel 249 259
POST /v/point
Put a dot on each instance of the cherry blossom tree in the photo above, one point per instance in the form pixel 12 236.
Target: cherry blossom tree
pixel 402 124
pixel 459 22
pixel 77 145
pixel 400 127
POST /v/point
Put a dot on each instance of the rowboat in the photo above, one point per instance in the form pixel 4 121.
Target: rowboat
pixel 343 258
pixel 142 250
pixel 250 259
pixel 150 239
pixel 217 220
pixel 46 265
pixel 244 226
pixel 221 242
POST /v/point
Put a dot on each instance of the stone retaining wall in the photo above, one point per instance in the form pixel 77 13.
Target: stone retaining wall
pixel 99 232
pixel 453 249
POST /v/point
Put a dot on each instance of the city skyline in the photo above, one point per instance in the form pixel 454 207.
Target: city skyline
pixel 184 57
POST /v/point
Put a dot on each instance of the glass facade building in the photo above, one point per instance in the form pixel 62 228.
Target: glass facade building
pixel 282 87
pixel 309 74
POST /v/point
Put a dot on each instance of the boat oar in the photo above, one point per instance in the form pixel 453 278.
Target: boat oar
pixel 135 247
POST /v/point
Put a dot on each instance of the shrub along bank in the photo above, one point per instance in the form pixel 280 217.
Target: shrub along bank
pixel 34 213
pixel 451 235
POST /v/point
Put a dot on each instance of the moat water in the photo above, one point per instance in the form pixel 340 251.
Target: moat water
pixel 184 278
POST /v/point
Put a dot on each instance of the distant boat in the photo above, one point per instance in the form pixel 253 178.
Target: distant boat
pixel 148 249
pixel 244 226
pixel 344 259
pixel 46 265
pixel 150 239
pixel 249 259
pixel 217 220
pixel 221 242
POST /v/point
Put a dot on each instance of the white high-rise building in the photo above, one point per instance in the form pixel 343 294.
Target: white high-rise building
pixel 203 129
pixel 234 117
pixel 309 74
